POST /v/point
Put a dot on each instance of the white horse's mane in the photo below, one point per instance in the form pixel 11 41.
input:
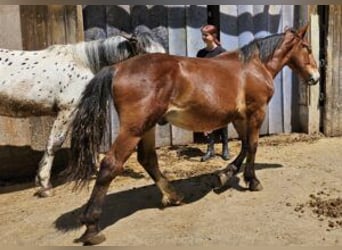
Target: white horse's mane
pixel 98 53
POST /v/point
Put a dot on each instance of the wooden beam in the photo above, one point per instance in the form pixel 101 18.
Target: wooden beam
pixel 314 91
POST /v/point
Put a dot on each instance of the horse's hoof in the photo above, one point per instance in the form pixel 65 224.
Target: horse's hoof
pixel 91 240
pixel 206 157
pixel 224 177
pixel 44 193
pixel 226 174
pixel 255 186
pixel 225 157
pixel 175 200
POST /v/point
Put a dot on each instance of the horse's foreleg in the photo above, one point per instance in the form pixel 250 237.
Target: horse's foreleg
pixel 234 167
pixel 56 139
pixel 249 173
pixel 111 166
pixel 254 124
pixel 147 157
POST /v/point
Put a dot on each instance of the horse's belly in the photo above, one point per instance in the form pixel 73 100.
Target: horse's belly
pixel 22 97
pixel 192 120
pixel 25 107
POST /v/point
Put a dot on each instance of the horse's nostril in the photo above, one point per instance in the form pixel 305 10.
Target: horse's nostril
pixel 312 81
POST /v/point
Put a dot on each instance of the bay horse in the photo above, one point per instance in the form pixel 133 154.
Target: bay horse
pixel 51 81
pixel 197 94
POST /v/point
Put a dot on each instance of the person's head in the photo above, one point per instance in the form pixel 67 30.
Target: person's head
pixel 209 34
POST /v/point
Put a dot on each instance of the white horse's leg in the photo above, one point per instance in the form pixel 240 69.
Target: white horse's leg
pixel 57 137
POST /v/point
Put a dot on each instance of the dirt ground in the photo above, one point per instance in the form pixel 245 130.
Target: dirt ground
pixel 300 204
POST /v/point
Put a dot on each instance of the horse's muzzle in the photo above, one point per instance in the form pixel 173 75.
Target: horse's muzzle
pixel 313 80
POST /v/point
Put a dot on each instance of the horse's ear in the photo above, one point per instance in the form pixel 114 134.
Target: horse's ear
pixel 302 31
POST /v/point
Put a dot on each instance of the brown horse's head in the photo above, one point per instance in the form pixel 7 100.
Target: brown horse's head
pixel 301 59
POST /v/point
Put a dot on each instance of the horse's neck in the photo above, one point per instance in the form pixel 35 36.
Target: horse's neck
pixel 280 58
pixel 276 63
pixel 100 53
pixel 89 54
pixel 79 51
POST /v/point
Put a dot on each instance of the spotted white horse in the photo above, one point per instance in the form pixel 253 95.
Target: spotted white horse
pixel 51 81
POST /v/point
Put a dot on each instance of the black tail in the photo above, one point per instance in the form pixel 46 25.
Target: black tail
pixel 88 127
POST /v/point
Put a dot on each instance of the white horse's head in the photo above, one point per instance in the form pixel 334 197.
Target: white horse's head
pixel 148 41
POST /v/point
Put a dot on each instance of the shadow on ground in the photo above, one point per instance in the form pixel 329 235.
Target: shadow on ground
pixel 122 204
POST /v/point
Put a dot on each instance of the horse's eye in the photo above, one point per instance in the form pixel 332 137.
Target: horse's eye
pixel 307 47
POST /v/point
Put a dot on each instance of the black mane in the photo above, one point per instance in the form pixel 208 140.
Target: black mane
pixel 265 46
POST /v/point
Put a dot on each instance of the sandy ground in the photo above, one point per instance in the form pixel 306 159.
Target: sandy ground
pixel 300 204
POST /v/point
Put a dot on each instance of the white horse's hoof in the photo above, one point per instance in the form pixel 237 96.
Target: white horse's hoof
pixel 223 178
pixel 44 192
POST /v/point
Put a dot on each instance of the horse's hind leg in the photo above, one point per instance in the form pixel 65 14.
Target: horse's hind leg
pixel 56 139
pixel 234 167
pixel 147 157
pixel 111 166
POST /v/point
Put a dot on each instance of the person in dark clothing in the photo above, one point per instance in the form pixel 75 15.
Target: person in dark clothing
pixel 213 48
